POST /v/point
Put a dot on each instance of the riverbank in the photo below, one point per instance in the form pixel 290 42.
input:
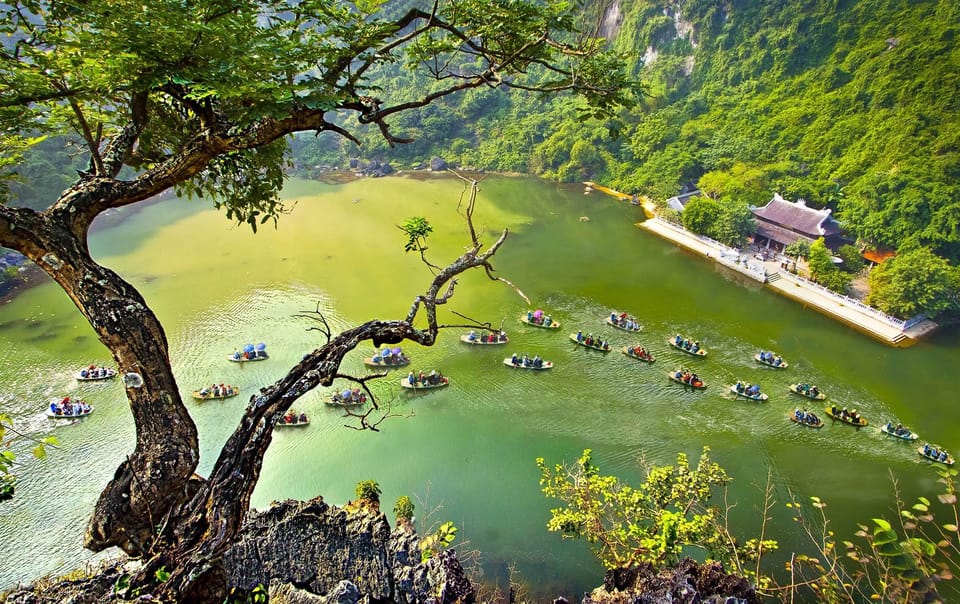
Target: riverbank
pixel 849 311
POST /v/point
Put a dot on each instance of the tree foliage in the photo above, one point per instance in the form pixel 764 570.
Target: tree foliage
pixel 651 523
pixel 823 270
pixel 915 282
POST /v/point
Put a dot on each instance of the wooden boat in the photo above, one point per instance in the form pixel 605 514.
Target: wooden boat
pixel 209 395
pixel 369 362
pixel 698 385
pixel 477 341
pixel 297 422
pixel 924 454
pixel 630 353
pixel 891 430
pixel 759 396
pixel 783 364
pixel 819 396
pixel 418 385
pixel 260 355
pixel 519 365
pixel 337 400
pixel 699 353
pixel 591 346
pixel 804 422
pixel 97 374
pixel 617 325
pixel 861 421
pixel 552 325
pixel 73 415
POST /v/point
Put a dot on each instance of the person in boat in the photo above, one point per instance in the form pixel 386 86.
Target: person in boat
pixel 678 340
pixel 502 336
pixel 613 318
pixel 526 360
pixel 833 411
pixel 777 361
pixel 579 336
pixel 695 347
pixel 289 418
pixel 514 360
pixel 472 336
pixel 537 362
pixel 814 391
pixel 84 373
pixel 943 456
pixel 854 416
pixel 55 408
pixel 411 379
pixel 548 321
pixel 695 380
pixel 926 449
pixel 303 418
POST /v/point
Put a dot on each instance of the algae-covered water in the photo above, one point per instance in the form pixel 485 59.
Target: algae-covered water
pixel 466 453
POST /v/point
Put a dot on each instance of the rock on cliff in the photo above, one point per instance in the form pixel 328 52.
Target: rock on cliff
pixel 313 552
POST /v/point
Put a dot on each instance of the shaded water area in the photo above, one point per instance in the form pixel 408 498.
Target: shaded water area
pixel 468 450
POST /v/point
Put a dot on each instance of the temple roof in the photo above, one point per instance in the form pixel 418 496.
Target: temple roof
pixel 796 216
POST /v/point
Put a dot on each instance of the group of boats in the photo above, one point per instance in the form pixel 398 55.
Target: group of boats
pixel 389 358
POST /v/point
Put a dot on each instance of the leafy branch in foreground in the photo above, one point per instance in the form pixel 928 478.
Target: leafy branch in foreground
pixel 628 526
pixel 895 561
pixel 7 458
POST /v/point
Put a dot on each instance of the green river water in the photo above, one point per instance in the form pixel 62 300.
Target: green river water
pixel 468 449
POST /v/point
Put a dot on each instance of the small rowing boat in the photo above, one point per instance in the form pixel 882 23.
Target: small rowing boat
pixel 238 357
pixel 807 391
pixel 388 362
pixel 292 420
pixel 624 321
pixel 487 339
pixel 688 346
pixel 898 431
pixel 851 418
pixel 518 363
pixel 805 418
pixel 639 353
pixel 686 378
pixel 935 454
pixel 216 393
pixel 95 374
pixel 750 391
pixel 765 357
pixel 346 398
pixel 430 381
pixel 68 408
pixel 544 322
pixel 590 342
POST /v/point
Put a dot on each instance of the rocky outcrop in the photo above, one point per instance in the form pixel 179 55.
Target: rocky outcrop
pixel 686 583
pixel 312 552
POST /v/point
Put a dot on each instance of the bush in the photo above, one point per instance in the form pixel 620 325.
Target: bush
pixel 368 491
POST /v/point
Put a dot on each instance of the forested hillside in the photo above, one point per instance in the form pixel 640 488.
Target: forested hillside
pixel 845 103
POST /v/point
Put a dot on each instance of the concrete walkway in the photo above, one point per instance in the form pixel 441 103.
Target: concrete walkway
pixel 861 317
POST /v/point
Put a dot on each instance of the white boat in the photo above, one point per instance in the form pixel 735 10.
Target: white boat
pixel 520 365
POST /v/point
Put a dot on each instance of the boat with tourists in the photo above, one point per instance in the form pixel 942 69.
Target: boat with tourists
pixel 589 341
pixel 525 362
pixel 807 391
pixel 250 353
pixel 852 417
pixel 687 378
pixel 770 359
pixel 538 319
pixel 216 392
pixel 485 339
pixel 691 347
pixel 935 454
pixel 750 391
pixel 425 381
pixel 623 321
pixel 638 352
pixel 346 398
pixel 806 418
pixel 68 408
pixel 898 431
pixel 387 358
pixel 95 374
pixel 292 419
